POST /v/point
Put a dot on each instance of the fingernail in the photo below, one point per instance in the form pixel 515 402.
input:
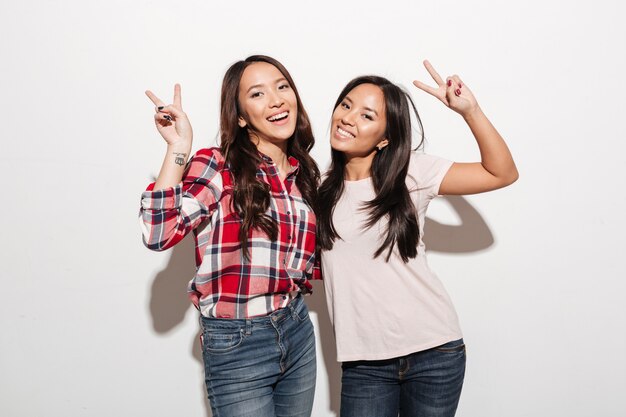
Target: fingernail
pixel 457 92
pixel 160 107
pixel 449 83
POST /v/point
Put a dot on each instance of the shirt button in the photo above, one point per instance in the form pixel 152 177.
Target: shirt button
pixel 289 237
pixel 288 212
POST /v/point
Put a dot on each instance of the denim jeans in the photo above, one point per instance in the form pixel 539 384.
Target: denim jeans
pixel 424 384
pixel 261 367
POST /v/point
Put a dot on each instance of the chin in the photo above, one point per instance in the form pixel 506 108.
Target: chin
pixel 338 146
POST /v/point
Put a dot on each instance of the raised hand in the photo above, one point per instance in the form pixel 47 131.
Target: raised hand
pixel 171 121
pixel 453 92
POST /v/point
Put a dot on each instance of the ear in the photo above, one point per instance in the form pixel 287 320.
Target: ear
pixel 382 144
pixel 242 122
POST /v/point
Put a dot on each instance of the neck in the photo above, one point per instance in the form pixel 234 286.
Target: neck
pixel 275 150
pixel 359 167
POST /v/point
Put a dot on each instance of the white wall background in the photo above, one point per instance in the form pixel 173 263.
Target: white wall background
pixel 94 324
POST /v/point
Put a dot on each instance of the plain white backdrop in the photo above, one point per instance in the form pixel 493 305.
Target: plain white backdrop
pixel 94 324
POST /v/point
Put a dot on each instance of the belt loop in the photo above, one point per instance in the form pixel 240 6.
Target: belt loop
pixel 292 307
pixel 248 327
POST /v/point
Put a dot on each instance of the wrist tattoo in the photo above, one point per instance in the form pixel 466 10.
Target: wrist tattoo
pixel 180 158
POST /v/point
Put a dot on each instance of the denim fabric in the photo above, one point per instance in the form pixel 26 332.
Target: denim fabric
pixel 261 366
pixel 424 384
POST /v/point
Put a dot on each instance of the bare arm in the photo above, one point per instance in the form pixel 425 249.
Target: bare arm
pixel 496 168
pixel 173 125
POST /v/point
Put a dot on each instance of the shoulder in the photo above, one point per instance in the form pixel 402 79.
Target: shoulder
pixel 207 154
pixel 207 157
pixel 427 170
pixel 206 165
pixel 421 162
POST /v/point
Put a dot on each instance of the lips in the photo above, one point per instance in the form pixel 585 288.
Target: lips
pixel 344 134
pixel 278 117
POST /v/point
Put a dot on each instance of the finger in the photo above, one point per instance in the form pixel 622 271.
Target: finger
pixel 425 87
pixel 177 97
pixel 163 119
pixel 433 73
pixel 157 102
pixel 456 85
pixel 451 88
pixel 457 81
pixel 172 110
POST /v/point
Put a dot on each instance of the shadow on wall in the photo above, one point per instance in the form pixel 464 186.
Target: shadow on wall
pixel 169 302
pixel 471 235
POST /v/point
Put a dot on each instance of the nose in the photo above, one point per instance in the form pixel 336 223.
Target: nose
pixel 275 99
pixel 348 118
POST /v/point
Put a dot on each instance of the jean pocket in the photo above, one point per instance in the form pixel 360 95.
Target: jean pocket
pixel 222 341
pixel 455 346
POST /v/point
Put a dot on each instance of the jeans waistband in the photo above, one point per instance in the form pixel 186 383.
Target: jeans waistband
pixel 295 306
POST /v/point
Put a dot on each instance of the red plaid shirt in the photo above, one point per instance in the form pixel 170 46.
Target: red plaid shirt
pixel 225 284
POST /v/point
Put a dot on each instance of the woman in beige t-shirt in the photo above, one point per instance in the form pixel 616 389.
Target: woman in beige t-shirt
pixel 397 333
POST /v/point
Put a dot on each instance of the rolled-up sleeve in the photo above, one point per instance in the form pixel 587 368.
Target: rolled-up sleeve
pixel 167 215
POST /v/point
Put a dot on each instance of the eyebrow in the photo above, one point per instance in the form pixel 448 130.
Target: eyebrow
pixel 261 85
pixel 366 108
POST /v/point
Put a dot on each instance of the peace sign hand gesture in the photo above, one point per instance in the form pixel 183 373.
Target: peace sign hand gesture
pixel 453 92
pixel 171 122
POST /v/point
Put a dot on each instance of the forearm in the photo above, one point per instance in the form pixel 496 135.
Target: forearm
pixel 495 155
pixel 173 166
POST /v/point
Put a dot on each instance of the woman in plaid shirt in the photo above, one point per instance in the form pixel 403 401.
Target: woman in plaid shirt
pixel 250 205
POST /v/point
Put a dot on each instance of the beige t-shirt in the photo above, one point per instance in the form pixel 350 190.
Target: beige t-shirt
pixel 379 309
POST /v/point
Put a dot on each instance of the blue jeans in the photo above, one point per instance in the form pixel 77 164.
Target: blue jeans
pixel 424 384
pixel 261 367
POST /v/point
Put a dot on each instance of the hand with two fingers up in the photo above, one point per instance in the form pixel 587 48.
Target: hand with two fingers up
pixel 452 92
pixel 171 121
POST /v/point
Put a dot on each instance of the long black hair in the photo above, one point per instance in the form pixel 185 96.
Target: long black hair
pixel 251 197
pixel 389 170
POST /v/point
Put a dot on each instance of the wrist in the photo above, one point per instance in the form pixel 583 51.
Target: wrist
pixel 473 114
pixel 179 153
pixel 181 147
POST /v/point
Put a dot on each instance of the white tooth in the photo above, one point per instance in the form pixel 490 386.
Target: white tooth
pixel 278 116
pixel 344 133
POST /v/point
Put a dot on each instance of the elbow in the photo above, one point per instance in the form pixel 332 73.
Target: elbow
pixel 149 240
pixel 156 247
pixel 153 246
pixel 512 176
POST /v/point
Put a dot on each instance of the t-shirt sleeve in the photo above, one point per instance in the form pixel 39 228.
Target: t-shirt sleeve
pixel 427 172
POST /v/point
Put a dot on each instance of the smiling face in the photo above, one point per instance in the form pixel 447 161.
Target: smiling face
pixel 267 103
pixel 359 122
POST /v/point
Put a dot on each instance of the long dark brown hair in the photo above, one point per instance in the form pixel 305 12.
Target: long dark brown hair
pixel 251 196
pixel 389 170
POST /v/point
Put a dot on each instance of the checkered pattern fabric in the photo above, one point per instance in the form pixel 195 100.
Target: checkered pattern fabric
pixel 225 284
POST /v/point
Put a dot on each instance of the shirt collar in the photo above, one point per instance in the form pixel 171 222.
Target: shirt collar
pixel 267 161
